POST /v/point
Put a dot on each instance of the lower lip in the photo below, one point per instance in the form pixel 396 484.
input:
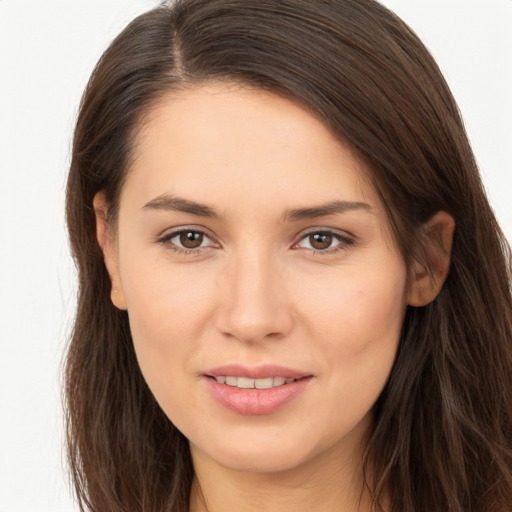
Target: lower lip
pixel 256 401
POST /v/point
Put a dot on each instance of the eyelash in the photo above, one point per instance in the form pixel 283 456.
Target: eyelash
pixel 166 241
pixel 344 240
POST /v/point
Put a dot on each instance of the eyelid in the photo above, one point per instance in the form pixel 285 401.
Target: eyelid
pixel 345 239
pixel 184 227
pixel 168 234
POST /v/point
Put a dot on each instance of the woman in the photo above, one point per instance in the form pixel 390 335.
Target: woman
pixel 293 292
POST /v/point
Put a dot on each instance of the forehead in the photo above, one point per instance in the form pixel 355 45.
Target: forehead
pixel 223 138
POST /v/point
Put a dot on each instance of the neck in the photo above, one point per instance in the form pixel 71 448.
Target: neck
pixel 326 483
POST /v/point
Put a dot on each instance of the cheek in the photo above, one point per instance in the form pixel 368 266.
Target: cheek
pixel 168 310
pixel 358 327
pixel 363 304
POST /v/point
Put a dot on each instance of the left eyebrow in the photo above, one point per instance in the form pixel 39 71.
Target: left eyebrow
pixel 330 208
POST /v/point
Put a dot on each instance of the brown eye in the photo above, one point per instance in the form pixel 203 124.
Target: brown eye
pixel 191 239
pixel 187 241
pixel 320 241
pixel 325 241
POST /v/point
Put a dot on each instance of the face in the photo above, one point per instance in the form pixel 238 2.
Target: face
pixel 264 291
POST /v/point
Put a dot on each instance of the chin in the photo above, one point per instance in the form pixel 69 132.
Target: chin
pixel 258 451
pixel 259 460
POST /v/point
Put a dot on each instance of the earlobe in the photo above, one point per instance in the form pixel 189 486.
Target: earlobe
pixel 427 278
pixel 108 248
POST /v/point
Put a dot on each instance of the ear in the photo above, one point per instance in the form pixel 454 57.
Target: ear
pixel 428 277
pixel 108 247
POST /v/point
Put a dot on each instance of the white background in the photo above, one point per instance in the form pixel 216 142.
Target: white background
pixel 47 51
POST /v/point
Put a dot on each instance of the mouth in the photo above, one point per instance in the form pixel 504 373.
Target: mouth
pixel 249 383
pixel 256 390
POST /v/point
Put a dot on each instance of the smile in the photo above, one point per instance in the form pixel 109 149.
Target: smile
pixel 256 391
pixel 248 383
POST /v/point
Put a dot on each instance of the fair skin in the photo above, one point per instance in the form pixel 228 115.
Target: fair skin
pixel 248 235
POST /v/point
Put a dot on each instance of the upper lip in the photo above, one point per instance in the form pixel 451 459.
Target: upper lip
pixel 256 372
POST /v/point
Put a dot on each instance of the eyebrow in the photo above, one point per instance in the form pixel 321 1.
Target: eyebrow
pixel 330 208
pixel 179 204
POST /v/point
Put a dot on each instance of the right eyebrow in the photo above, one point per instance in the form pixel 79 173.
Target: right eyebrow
pixel 179 204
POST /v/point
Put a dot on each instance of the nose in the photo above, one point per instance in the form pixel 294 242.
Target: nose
pixel 254 302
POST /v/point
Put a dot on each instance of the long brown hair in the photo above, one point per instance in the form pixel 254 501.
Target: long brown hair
pixel 442 434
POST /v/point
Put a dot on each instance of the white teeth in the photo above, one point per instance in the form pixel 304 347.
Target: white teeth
pixel 232 381
pixel 264 383
pixel 245 383
pixel 248 383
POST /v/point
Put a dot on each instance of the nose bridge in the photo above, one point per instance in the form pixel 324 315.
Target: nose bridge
pixel 255 304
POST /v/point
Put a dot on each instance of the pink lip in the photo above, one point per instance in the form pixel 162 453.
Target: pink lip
pixel 256 401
